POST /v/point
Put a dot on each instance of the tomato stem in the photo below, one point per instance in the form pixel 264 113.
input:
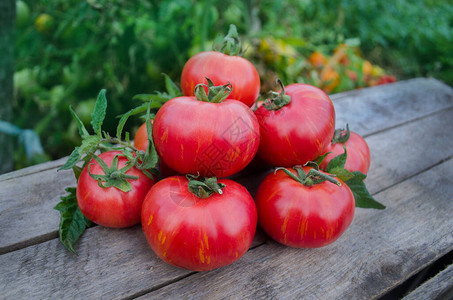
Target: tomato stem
pixel 341 136
pixel 216 94
pixel 231 44
pixel 277 100
pixel 313 176
pixel 204 187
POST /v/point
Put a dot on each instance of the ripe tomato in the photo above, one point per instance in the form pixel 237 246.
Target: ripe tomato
pixel 209 139
pixel 195 233
pixel 358 158
pixel 221 69
pixel 111 207
pixel 141 138
pixel 300 130
pixel 303 216
pixel 317 59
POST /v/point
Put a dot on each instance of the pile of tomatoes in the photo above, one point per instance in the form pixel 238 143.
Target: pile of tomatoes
pixel 194 215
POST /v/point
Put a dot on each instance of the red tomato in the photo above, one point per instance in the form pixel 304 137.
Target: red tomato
pixel 111 207
pixel 298 132
pixel 303 216
pixel 141 138
pixel 209 139
pixel 194 233
pixel 358 152
pixel 221 69
pixel 141 143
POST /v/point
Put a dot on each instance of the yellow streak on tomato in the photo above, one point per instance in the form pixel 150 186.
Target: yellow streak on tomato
pixel 201 255
pixel 86 195
pixel 159 236
pixel 236 254
pixel 150 219
pixel 303 228
pixel 164 136
pixel 283 228
pixel 206 241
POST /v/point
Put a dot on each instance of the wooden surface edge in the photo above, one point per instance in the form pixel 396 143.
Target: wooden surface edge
pixel 438 287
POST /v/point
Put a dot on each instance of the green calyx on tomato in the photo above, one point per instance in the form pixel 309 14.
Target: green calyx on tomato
pixel 215 94
pixel 204 187
pixel 231 44
pixel 277 100
pixel 341 136
pixel 314 176
pixel 112 176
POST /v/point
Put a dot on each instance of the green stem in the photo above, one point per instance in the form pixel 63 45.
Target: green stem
pixel 277 100
pixel 204 187
pixel 312 178
pixel 340 136
pixel 216 94
pixel 231 43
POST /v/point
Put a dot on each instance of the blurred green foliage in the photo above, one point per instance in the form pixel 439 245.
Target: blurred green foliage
pixel 68 50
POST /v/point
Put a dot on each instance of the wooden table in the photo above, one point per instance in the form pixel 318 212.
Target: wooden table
pixel 409 128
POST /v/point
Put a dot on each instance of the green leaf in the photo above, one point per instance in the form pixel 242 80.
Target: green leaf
pixel 342 173
pixel 337 162
pixel 98 115
pixel 137 110
pixel 72 222
pixel 362 197
pixel 72 160
pixel 82 130
pixel 89 144
pixel 172 89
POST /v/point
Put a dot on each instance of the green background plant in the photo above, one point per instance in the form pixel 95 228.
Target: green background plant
pixel 66 51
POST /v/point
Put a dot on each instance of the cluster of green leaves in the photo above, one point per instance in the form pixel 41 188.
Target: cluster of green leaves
pixel 72 222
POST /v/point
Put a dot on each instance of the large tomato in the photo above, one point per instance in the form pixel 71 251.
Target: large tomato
pixel 299 215
pixel 358 152
pixel 110 206
pixel 209 139
pixel 221 69
pixel 198 233
pixel 299 131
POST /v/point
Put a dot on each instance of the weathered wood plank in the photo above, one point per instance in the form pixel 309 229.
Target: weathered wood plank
pixel 378 251
pixel 373 109
pixel 27 196
pixel 111 264
pixel 401 152
pixel 438 287
pixel 26 207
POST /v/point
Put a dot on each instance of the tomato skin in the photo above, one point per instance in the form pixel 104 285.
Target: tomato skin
pixel 358 152
pixel 303 217
pixel 111 207
pixel 221 69
pixel 141 138
pixel 299 131
pixel 194 233
pixel 209 139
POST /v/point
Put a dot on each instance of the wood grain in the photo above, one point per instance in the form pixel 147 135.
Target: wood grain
pixel 378 108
